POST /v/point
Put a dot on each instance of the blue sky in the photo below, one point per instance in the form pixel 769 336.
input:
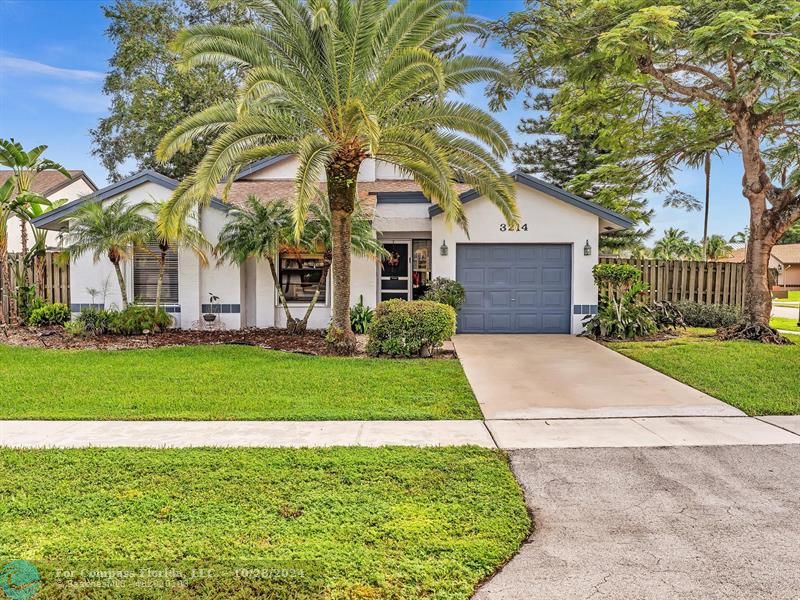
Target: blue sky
pixel 53 57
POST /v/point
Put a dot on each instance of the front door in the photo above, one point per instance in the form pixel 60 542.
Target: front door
pixel 395 271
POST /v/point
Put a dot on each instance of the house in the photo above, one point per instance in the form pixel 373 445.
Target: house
pixel 534 278
pixel 784 260
pixel 53 185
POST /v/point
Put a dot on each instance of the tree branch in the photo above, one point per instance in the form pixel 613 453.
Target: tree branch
pixel 647 67
pixel 690 68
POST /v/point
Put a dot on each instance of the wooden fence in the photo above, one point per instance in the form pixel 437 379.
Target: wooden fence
pixel 56 279
pixel 690 280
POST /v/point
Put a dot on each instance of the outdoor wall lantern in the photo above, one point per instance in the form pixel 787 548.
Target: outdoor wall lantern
pixel 587 249
pixel 443 249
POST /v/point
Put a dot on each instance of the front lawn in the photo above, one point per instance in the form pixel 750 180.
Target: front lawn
pixel 759 379
pixel 227 382
pixel 784 323
pixel 355 523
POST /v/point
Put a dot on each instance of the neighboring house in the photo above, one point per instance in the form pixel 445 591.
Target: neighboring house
pixel 536 278
pixel 53 186
pixel 784 260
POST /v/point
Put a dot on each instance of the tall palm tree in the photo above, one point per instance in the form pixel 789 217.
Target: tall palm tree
pixel 26 165
pixel 185 235
pixel 113 230
pixel 7 208
pixel 335 82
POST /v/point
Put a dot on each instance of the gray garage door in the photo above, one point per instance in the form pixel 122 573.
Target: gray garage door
pixel 515 288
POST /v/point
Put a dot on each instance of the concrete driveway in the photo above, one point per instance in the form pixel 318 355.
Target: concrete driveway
pixel 562 376
pixel 657 523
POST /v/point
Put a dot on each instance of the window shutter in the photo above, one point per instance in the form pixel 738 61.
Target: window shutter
pixel 145 276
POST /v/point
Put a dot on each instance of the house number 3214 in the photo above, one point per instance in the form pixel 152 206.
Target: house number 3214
pixel 504 227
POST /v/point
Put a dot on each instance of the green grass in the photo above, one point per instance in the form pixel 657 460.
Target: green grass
pixel 784 323
pixel 227 382
pixel 355 523
pixel 760 379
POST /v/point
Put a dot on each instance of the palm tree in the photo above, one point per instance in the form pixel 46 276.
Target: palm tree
pixel 39 249
pixel 673 245
pixel 7 208
pixel 335 82
pixel 26 165
pixel 717 247
pixel 185 235
pixel 318 237
pixel 260 232
pixel 112 230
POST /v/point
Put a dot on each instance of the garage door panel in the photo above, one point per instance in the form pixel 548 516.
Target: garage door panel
pixel 515 288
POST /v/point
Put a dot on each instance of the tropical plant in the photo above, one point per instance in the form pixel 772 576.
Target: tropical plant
pixel 623 317
pixel 26 165
pixel 7 208
pixel 49 314
pixel 184 235
pixel 652 79
pixel 717 247
pixel 674 245
pixel 113 230
pixel 447 291
pixel 336 82
pixel 361 316
pixel 792 235
pixel 38 250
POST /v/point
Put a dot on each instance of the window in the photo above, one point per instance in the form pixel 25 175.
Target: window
pixel 300 275
pixel 145 275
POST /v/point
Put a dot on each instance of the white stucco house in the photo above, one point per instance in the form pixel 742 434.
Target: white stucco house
pixel 54 186
pixel 536 278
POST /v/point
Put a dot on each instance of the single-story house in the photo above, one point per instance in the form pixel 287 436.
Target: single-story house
pixel 535 278
pixel 53 185
pixel 784 260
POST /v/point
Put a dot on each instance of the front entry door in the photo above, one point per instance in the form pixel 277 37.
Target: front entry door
pixel 395 271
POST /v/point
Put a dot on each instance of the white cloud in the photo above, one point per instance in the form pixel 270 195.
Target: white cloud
pixel 13 64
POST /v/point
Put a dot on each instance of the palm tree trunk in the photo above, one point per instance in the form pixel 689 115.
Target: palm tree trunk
pixel 38 266
pixel 5 297
pixel 342 198
pixel 707 167
pixel 121 281
pixel 320 286
pixel 290 321
pixel 162 263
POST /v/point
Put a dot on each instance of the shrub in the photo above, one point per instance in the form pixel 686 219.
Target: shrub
pixel 709 315
pixel 403 328
pixel 96 321
pixel 667 315
pixel 619 276
pixel 445 291
pixel 361 316
pixel 49 314
pixel 622 317
pixel 27 303
pixel 75 328
pixel 136 319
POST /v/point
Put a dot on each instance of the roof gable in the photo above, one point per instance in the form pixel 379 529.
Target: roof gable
pixel 555 192
pixel 115 189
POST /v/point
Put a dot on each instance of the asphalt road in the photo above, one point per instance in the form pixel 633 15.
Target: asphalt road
pixel 658 523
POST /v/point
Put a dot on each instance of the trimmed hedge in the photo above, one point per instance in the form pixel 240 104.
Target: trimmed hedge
pixel 49 314
pixel 709 315
pixel 403 328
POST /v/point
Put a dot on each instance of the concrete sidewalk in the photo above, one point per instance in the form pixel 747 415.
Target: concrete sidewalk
pixel 508 435
pixel 186 434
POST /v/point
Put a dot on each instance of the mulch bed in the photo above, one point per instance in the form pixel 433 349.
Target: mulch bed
pixel 312 342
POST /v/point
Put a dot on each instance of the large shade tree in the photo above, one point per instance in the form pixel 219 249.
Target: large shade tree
pixel 651 79
pixel 336 82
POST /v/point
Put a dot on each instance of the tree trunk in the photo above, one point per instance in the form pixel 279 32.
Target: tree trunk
pixel 121 281
pixel 291 322
pixel 342 197
pixel 38 266
pixel 4 281
pixel 303 324
pixel 707 168
pixel 162 263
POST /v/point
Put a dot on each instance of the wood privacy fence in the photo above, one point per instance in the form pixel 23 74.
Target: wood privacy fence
pixel 56 279
pixel 690 280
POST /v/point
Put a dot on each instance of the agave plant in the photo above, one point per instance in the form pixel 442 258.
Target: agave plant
pixel 335 82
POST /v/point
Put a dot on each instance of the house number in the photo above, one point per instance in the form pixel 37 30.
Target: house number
pixel 504 227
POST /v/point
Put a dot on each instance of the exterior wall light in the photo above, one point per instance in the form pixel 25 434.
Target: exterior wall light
pixel 587 249
pixel 443 249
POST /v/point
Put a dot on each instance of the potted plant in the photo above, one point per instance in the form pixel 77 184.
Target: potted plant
pixel 210 317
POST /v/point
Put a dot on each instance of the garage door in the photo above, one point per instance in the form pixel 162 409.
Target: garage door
pixel 515 288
